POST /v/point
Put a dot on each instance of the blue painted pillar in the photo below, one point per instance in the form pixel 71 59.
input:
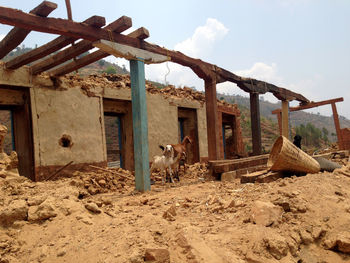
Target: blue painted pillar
pixel 140 125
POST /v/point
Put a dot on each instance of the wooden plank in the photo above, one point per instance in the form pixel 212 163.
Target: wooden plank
pixel 140 33
pixel 285 118
pixel 213 127
pixel 311 105
pixel 88 59
pixel 50 47
pixel 243 163
pixel 255 122
pixel 337 126
pixel 251 177
pixel 140 125
pixel 79 48
pixel 129 53
pixel 72 29
pixel 11 97
pixel 251 158
pixel 17 35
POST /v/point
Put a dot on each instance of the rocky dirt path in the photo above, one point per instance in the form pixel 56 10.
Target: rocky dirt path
pixel 298 219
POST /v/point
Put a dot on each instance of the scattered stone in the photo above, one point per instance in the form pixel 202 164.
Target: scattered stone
pixel 306 237
pixel 61 253
pixel 265 213
pixel 339 242
pixel 284 203
pixel 92 207
pixel 36 200
pixel 170 213
pixel 83 218
pixel 158 255
pixel 276 245
pixel 16 210
pixel 43 211
pixel 228 176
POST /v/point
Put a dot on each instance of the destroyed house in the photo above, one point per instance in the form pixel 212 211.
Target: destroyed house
pixel 88 121
pixel 59 121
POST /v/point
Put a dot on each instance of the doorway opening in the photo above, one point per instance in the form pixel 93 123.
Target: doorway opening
pixel 15 114
pixel 187 126
pixel 118 133
pixel 229 136
pixel 114 145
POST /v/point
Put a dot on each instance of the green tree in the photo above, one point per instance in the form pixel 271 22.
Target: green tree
pixel 110 70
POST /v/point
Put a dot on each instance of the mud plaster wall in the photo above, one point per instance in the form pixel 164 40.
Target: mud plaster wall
pixel 66 112
pixel 162 117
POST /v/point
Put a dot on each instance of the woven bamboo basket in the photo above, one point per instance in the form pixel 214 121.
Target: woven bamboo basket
pixel 285 156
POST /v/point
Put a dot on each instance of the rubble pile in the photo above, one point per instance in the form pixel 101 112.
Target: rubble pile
pixel 8 164
pixel 123 81
pixel 111 180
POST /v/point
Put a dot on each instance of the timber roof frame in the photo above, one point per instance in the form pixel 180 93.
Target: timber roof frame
pixel 89 31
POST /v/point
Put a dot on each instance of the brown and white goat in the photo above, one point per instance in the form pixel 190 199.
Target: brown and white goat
pixel 165 161
pixel 180 152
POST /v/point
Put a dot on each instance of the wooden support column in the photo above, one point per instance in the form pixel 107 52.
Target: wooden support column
pixel 212 118
pixel 285 118
pixel 140 125
pixel 279 119
pixel 337 125
pixel 255 122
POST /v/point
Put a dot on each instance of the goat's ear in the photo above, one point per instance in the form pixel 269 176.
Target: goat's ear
pixel 161 147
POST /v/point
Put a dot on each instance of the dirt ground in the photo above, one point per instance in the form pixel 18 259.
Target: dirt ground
pixel 98 217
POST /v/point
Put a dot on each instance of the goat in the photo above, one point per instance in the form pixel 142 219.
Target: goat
pixel 180 150
pixel 165 161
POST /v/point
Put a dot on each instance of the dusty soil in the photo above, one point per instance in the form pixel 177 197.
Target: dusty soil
pixel 298 219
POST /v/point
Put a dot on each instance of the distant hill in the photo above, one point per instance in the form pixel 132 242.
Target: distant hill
pixel 296 118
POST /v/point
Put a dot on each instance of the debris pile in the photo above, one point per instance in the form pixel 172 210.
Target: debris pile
pixel 104 180
pixel 123 81
pixel 8 164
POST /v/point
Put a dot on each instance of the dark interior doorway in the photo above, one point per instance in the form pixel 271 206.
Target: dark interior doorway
pixel 118 133
pixel 16 113
pixel 114 144
pixel 187 120
pixel 229 136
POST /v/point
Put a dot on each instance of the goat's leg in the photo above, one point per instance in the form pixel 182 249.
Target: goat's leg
pixel 163 174
pixel 171 175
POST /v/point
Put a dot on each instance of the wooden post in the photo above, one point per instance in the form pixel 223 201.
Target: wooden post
pixel 255 122
pixel 337 126
pixel 140 125
pixel 279 119
pixel 212 119
pixel 285 118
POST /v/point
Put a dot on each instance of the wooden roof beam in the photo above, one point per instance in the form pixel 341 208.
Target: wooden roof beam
pixel 140 33
pixel 311 105
pixel 117 26
pixel 52 46
pixel 17 34
pixel 73 29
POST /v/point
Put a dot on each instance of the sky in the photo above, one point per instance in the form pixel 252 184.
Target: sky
pixel 301 45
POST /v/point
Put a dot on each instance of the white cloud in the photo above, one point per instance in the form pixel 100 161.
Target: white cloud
pixel 2 36
pixel 262 71
pixel 200 44
pixel 203 39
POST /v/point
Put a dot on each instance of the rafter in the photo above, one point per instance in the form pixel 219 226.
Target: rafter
pixel 50 47
pixel 117 26
pixel 311 105
pixel 73 29
pixel 17 35
pixel 140 33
